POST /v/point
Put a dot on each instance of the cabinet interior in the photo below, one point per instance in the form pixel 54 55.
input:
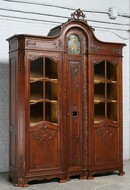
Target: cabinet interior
pixel 43 91
pixel 105 91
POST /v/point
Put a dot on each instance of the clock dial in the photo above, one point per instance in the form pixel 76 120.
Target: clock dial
pixel 73 45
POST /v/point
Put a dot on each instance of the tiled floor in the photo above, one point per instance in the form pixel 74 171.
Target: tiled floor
pixel 107 182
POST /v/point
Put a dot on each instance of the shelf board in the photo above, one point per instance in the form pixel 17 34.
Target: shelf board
pixel 99 121
pixel 51 101
pixel 35 79
pixel 51 80
pixel 34 101
pixel 97 81
pixel 96 101
pixel 34 123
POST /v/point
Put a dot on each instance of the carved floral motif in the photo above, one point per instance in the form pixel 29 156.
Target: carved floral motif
pixel 58 44
pixel 30 43
pixel 45 136
pixel 94 47
pixel 75 70
pixel 106 133
pixel 96 60
pixel 32 56
pixel 116 51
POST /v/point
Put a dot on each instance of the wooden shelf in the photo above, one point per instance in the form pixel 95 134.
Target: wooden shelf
pixel 97 81
pixel 103 100
pixel 98 121
pixel 32 123
pixel 34 101
pixel 35 79
pixel 98 101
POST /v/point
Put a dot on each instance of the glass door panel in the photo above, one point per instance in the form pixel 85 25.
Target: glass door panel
pixel 99 112
pixel 36 113
pixel 105 91
pixel 112 92
pixel 36 92
pixel 112 111
pixel 51 112
pixel 36 69
pixel 111 72
pixel 99 72
pixel 43 91
pixel 99 92
pixel 50 69
pixel 51 90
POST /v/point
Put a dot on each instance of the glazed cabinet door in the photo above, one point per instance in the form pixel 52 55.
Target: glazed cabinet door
pixel 105 126
pixel 43 132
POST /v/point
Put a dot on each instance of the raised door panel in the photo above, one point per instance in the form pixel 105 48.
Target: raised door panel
pixel 105 146
pixel 44 148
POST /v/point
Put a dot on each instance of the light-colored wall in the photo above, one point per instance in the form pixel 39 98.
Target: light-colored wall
pixel 34 17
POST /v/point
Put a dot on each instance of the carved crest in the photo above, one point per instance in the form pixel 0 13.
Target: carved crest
pixel 78 15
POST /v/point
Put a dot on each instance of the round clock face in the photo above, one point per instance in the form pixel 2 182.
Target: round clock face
pixel 73 45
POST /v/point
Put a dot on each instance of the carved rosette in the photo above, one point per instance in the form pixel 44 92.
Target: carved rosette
pixel 94 47
pixel 44 136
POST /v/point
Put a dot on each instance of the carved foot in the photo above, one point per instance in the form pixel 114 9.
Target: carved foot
pixel 20 182
pixel 121 173
pixel 63 181
pixel 82 177
pixel 90 177
pixel 22 185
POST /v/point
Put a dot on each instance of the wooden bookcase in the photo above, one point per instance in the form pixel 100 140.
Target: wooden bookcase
pixel 65 104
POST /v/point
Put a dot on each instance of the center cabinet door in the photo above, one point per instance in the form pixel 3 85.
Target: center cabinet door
pixel 75 75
